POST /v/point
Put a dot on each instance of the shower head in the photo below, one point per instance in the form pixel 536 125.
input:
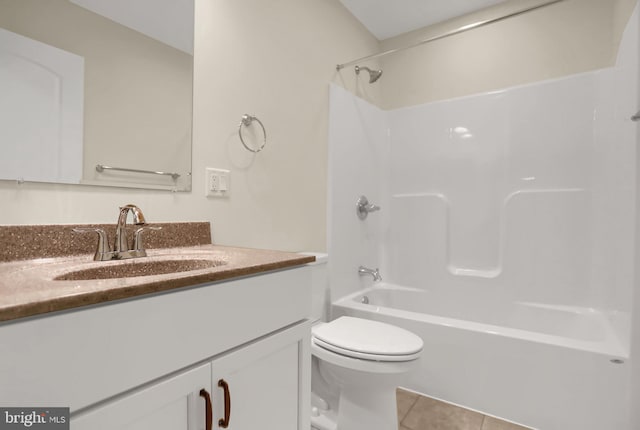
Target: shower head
pixel 374 75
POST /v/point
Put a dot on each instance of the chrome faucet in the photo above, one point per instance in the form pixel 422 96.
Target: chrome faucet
pixel 121 243
pixel 121 250
pixel 366 271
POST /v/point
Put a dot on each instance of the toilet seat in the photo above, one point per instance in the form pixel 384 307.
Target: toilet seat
pixel 367 340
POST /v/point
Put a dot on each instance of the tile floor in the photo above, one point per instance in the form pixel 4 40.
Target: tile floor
pixel 416 412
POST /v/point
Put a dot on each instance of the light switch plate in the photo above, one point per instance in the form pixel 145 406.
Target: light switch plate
pixel 217 182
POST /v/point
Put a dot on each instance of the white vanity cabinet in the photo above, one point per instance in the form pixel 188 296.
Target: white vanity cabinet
pixel 141 364
pixel 255 386
pixel 264 384
pixel 171 404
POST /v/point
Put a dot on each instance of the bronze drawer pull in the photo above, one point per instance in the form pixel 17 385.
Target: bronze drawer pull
pixel 208 409
pixel 224 422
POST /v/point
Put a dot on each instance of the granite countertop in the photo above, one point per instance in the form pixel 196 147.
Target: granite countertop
pixel 29 287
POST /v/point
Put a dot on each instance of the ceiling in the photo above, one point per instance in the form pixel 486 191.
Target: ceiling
pixel 388 18
pixel 172 20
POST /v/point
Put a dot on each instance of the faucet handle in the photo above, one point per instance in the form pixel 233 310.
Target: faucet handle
pixel 103 251
pixel 363 207
pixel 137 237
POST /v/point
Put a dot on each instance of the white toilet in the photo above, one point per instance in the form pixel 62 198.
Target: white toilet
pixel 365 360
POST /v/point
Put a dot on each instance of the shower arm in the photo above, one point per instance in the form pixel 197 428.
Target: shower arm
pixel 449 33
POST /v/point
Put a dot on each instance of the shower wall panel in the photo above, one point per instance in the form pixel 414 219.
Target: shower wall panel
pixel 511 191
pixel 358 165
pixel 523 194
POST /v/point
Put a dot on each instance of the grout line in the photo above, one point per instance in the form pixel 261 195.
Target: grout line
pixel 409 410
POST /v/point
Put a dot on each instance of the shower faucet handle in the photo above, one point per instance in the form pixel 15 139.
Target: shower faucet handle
pixel 363 207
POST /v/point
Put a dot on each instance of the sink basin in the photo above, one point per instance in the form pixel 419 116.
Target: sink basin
pixel 138 267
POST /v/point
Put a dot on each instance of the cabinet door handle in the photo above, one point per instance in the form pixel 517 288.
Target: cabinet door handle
pixel 208 409
pixel 224 422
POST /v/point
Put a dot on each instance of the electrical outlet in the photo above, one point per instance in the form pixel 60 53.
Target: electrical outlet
pixel 216 182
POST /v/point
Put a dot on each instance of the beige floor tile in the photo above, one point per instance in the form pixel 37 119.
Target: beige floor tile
pixel 491 423
pixel 405 400
pixel 431 414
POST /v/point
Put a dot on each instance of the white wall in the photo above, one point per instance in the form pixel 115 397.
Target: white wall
pixel 358 165
pixel 526 194
pixel 271 59
pixel 519 190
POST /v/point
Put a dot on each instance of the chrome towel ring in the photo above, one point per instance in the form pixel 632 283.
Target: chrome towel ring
pixel 246 122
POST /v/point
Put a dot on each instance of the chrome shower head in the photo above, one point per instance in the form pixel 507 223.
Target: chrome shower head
pixel 374 75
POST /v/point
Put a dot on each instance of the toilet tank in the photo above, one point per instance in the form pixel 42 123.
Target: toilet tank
pixel 320 286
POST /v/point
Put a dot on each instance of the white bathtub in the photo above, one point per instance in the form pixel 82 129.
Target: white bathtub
pixel 544 366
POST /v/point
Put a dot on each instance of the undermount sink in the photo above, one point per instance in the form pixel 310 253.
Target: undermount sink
pixel 138 267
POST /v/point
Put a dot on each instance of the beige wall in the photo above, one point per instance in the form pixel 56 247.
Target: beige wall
pixel 561 39
pixel 273 59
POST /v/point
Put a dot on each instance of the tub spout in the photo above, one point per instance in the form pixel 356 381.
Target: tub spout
pixel 373 272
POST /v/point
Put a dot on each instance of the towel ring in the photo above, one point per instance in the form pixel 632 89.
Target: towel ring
pixel 246 121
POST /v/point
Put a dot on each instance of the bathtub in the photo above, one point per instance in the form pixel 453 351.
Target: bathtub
pixel 544 366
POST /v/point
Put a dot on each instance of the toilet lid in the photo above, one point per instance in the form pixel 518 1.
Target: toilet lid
pixel 362 338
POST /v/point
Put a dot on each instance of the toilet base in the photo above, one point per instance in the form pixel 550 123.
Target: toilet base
pixel 323 420
pixel 365 409
pixel 370 411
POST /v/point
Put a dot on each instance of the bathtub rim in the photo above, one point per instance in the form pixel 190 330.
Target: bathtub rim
pixel 612 348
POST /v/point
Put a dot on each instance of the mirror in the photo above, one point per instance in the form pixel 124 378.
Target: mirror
pixel 90 83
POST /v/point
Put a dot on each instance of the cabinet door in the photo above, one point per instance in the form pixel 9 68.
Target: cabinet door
pixel 174 403
pixel 268 383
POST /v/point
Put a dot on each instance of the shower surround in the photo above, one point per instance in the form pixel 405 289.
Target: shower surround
pixel 510 217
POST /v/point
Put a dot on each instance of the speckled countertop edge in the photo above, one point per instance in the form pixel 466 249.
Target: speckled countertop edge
pixel 27 287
